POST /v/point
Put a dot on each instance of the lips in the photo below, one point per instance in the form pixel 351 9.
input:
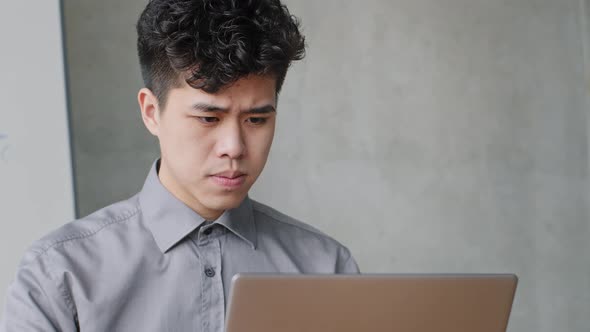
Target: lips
pixel 229 179
pixel 229 174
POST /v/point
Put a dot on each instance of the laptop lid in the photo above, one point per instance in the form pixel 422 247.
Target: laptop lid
pixel 352 303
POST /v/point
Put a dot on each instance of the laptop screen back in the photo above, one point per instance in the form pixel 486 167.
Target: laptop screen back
pixel 343 303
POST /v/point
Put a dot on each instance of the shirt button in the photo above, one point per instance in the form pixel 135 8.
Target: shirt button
pixel 208 231
pixel 210 272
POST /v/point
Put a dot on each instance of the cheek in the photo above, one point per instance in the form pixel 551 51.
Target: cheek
pixel 260 144
pixel 186 143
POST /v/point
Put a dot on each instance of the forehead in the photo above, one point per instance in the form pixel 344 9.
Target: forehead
pixel 247 92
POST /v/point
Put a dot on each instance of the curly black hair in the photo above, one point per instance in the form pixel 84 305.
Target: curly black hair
pixel 213 43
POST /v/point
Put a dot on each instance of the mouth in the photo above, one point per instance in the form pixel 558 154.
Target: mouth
pixel 229 179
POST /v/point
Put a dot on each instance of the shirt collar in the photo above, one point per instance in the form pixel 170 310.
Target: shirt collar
pixel 240 221
pixel 170 220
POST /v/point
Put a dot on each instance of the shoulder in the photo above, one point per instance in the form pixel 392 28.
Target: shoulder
pixel 84 230
pixel 267 212
pixel 318 251
pixel 290 229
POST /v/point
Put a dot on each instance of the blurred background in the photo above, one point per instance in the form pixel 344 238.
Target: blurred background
pixel 425 135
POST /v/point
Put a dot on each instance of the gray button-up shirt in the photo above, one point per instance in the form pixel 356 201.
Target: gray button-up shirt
pixel 150 263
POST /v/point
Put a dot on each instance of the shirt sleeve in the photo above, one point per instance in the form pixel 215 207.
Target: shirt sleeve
pixel 35 302
pixel 346 263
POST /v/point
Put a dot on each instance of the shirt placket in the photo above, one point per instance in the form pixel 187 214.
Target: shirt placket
pixel 212 298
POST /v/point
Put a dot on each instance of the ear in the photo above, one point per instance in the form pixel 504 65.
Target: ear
pixel 150 112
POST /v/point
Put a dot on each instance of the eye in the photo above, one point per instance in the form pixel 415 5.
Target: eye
pixel 208 119
pixel 257 121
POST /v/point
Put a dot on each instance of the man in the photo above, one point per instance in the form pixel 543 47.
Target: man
pixel 163 259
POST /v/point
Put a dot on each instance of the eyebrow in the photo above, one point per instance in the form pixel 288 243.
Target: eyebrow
pixel 203 107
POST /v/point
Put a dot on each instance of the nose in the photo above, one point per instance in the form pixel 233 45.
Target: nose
pixel 230 142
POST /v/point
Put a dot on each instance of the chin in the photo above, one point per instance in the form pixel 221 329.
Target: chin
pixel 226 202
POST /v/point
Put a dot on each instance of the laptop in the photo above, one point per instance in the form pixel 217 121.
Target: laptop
pixel 353 303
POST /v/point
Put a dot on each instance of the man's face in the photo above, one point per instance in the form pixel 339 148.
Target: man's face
pixel 214 146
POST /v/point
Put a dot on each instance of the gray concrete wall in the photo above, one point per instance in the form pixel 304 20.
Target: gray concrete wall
pixel 428 136
pixel 112 150
pixel 36 190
